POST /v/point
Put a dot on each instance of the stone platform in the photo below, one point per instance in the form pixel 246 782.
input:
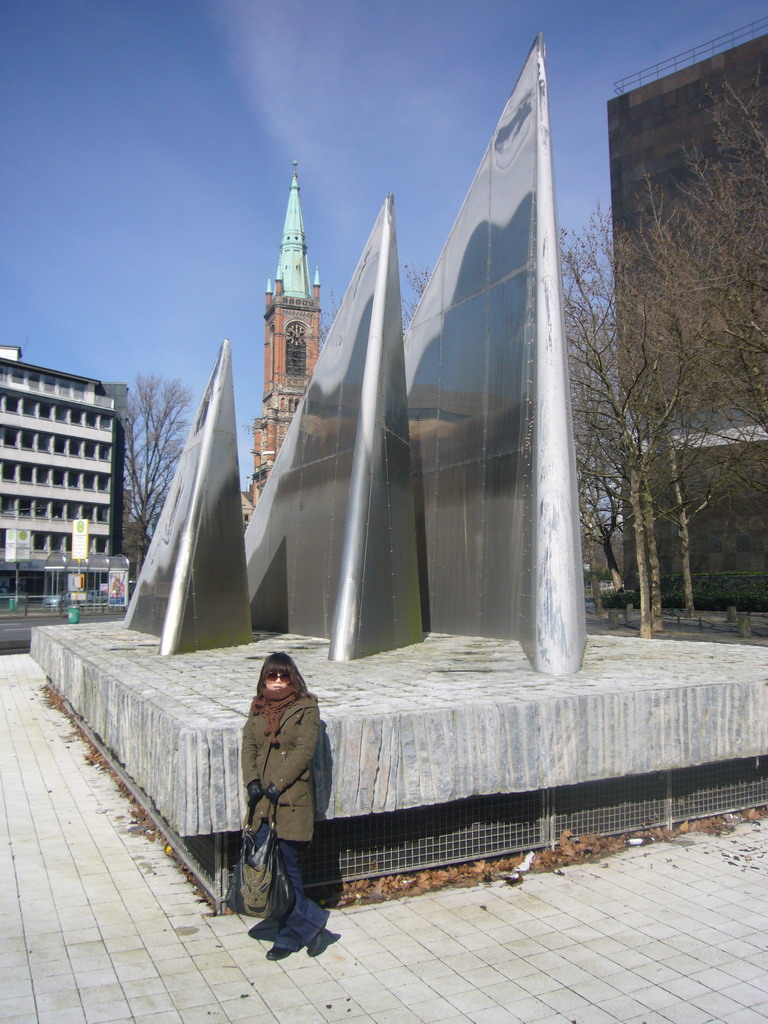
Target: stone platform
pixel 450 718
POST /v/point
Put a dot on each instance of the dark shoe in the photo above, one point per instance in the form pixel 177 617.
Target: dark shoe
pixel 321 942
pixel 278 953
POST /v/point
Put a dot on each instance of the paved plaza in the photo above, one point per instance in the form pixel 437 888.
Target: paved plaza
pixel 99 925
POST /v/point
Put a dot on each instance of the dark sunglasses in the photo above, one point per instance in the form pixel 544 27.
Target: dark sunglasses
pixel 278 673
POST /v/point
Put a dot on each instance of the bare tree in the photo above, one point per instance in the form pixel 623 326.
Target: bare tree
pixel 327 316
pixel 637 382
pixel 722 235
pixel 417 279
pixel 155 430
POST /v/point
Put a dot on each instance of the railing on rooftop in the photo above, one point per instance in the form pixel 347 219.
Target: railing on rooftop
pixel 684 60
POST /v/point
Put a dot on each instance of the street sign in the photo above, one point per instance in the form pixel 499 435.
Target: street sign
pixel 79 539
pixel 18 544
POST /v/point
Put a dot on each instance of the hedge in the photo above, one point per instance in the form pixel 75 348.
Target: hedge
pixel 748 591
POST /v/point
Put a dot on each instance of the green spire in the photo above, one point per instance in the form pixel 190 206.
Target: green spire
pixel 292 268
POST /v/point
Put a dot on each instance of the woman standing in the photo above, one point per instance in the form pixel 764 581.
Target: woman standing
pixel 279 741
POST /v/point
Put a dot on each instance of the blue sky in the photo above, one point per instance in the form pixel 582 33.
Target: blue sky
pixel 146 150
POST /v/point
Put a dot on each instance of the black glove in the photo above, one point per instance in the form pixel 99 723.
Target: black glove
pixel 272 792
pixel 254 788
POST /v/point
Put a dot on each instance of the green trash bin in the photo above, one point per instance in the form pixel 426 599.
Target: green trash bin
pixel 11 604
pixel 73 615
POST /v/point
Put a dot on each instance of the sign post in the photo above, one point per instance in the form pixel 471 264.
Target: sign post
pixel 18 548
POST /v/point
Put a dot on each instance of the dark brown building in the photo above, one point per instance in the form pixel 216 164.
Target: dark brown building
pixel 657 120
pixel 651 127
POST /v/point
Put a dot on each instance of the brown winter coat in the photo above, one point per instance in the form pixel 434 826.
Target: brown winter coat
pixel 288 765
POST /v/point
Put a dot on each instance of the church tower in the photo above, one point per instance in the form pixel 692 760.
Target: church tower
pixel 291 340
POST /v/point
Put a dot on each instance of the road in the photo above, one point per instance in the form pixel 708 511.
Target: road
pixel 15 629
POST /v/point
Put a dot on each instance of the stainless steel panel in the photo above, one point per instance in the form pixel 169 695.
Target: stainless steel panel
pixel 494 477
pixel 192 591
pixel 331 546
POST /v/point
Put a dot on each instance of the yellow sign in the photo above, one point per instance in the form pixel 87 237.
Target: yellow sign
pixel 80 538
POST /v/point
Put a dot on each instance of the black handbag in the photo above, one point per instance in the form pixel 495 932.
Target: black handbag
pixel 260 886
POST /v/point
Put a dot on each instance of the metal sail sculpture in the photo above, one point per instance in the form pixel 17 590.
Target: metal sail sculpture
pixel 490 425
pixel 192 591
pixel 331 547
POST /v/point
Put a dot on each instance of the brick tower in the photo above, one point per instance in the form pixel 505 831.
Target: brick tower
pixel 291 341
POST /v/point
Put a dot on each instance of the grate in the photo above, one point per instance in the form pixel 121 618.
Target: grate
pixel 201 851
pixel 719 788
pixel 345 849
pixel 422 837
pixel 610 805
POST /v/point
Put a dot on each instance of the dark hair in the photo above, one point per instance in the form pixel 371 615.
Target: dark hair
pixel 282 661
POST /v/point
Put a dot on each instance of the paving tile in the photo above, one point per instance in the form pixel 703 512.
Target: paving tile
pixel 745 993
pixel 495 1015
pixel 750 1015
pixel 687 1013
pixel 669 933
pixel 433 1011
pixel 73 1016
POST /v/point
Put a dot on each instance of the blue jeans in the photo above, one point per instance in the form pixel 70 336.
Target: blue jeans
pixel 305 919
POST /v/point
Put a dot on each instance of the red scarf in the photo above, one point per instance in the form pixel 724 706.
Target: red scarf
pixel 273 706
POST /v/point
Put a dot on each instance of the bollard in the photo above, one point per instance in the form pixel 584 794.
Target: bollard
pixel 628 611
pixel 745 624
pixel 730 613
pixel 613 618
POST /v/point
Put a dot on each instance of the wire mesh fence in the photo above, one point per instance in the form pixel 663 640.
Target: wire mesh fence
pixel 345 849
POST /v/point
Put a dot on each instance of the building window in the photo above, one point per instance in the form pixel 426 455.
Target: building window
pixel 9 471
pixel 25 474
pixel 28 440
pixel 10 437
pixel 743 543
pixel 39 541
pixel 59 477
pixel 61 414
pixel 296 349
pixel 60 445
pixel 11 403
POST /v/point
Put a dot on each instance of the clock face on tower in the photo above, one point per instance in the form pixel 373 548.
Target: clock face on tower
pixel 295 349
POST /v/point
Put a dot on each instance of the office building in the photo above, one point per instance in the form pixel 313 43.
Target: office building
pixel 61 459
